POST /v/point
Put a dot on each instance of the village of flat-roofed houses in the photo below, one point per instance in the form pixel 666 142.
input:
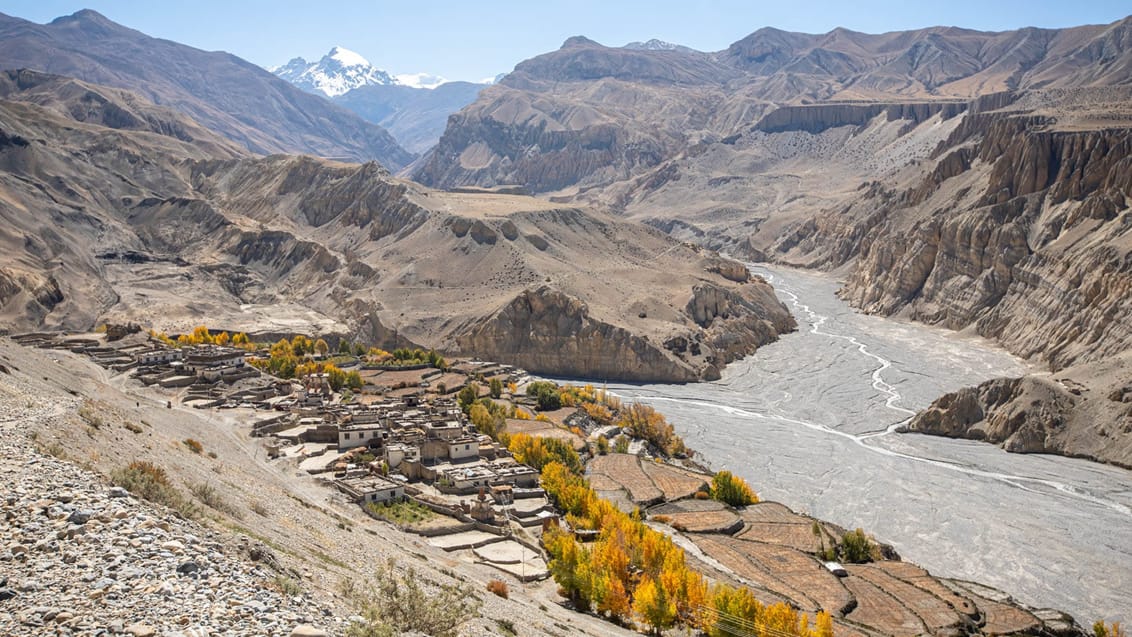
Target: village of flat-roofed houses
pixel 401 438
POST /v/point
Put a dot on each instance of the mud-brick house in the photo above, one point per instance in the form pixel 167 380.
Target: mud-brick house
pixel 203 357
pixel 371 489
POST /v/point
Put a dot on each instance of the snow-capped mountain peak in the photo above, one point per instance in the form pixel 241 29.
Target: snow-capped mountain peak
pixel 346 57
pixel 338 71
pixel 656 45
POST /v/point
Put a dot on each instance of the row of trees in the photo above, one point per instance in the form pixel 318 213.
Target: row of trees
pixel 642 421
pixel 537 452
pixel 201 336
pixel 631 572
pixel 283 363
pixel 638 420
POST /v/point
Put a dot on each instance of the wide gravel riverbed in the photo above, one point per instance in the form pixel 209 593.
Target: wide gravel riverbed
pixel 807 422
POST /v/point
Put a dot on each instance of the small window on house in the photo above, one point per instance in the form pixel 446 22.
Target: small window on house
pixel 347 437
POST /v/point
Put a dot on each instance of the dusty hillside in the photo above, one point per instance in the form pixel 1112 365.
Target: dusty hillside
pixel 233 97
pixel 142 226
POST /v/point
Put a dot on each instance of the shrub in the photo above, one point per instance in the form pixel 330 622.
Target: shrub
pixel 208 494
pixel 194 445
pixel 287 586
pixel 1111 630
pixel 621 444
pixel 392 605
pixel 89 412
pixel 499 588
pixel 149 481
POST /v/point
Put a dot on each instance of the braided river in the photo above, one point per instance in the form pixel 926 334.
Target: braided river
pixel 809 421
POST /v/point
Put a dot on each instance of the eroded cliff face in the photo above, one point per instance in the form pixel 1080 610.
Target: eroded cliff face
pixel 1028 240
pixel 1085 412
pixel 549 332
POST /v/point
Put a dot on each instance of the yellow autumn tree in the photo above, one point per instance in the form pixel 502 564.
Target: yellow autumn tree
pixel 321 347
pixel 651 602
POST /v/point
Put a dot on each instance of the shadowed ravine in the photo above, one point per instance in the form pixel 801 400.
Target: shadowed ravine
pixel 809 420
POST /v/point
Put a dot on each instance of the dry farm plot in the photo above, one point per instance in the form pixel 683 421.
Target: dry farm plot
pixel 780 569
pixel 541 429
pixel 774 523
pixel 881 611
pixel 1002 619
pixel 625 470
pixel 772 512
pixel 674 482
pixel 741 567
pixel 933 611
pixel 797 536
pixel 705 521
pixel 688 506
pixel 919 577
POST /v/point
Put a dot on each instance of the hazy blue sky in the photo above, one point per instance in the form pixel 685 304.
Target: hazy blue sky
pixel 472 39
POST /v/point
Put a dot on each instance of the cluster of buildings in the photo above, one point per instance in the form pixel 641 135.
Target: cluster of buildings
pixel 408 430
pixel 415 441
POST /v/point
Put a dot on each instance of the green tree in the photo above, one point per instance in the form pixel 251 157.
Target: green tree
pixel 547 395
pixel 496 387
pixel 343 346
pixel 856 547
pixel 467 396
pixel 621 444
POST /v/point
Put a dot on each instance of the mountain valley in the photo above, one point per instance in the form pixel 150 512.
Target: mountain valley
pixel 661 225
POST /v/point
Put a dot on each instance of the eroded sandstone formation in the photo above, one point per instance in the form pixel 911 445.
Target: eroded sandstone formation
pixel 1085 411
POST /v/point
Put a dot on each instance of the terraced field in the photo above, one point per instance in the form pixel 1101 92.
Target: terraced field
pixel 541 429
pixel 922 579
pixel 1003 619
pixel 772 550
pixel 774 523
pixel 780 569
pixel 877 609
pixel 935 613
pixel 625 470
pixel 705 522
pixel 674 482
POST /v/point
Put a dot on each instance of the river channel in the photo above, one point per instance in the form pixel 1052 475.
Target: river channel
pixel 808 422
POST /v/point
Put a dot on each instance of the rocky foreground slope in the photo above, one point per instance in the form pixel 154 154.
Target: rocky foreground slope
pixel 115 214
